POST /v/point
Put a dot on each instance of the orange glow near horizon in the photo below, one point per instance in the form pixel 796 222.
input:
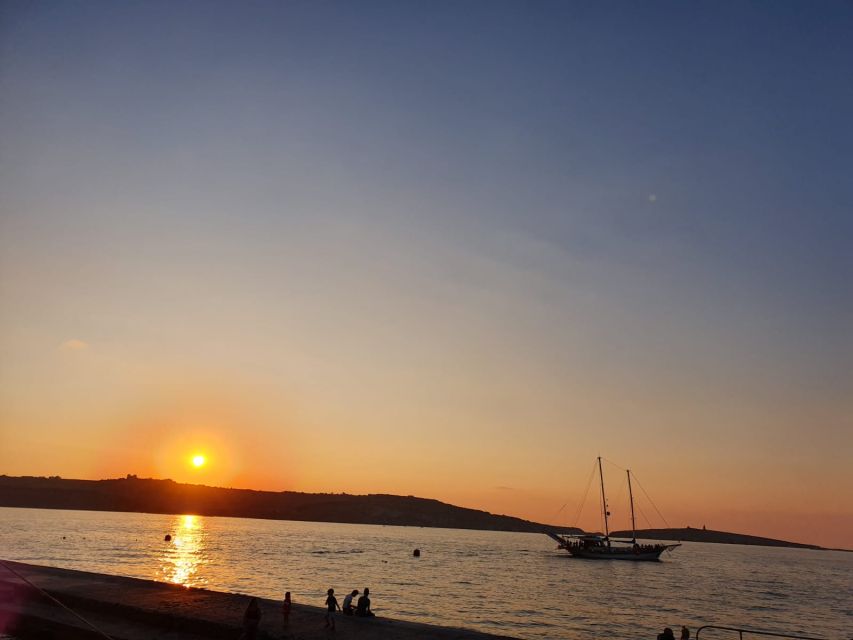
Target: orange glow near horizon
pixel 472 438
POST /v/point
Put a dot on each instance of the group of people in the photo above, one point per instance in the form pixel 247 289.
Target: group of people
pixel 361 609
pixel 669 635
pixel 252 616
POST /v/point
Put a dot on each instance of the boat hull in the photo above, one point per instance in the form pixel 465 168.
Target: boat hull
pixel 617 554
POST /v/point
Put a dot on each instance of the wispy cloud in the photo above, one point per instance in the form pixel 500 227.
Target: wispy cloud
pixel 73 344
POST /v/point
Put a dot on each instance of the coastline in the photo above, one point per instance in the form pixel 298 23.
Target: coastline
pixel 131 609
pixel 149 495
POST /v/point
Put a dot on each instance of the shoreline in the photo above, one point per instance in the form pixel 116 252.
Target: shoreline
pixel 150 495
pixel 136 609
pixel 728 537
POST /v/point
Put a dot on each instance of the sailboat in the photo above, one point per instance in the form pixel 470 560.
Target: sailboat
pixel 597 547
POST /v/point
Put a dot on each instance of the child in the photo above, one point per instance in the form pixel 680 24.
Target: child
pixel 285 608
pixel 331 606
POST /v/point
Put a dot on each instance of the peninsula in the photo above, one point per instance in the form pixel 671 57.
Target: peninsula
pixel 689 534
pixel 166 496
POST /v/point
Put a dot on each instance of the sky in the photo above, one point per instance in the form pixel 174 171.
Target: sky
pixel 452 250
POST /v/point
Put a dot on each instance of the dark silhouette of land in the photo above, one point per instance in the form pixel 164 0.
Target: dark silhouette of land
pixel 689 534
pixel 166 496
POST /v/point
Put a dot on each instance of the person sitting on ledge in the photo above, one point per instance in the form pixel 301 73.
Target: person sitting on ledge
pixel 666 635
pixel 251 620
pixel 362 609
pixel 348 609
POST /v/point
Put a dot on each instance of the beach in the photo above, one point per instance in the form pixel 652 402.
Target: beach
pixel 131 609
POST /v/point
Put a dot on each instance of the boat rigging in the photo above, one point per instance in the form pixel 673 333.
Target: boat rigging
pixel 596 547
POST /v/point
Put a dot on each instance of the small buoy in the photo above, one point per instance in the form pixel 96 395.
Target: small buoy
pixel 168 538
pixel 417 553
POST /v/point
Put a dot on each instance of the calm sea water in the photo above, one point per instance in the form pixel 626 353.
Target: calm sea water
pixel 510 583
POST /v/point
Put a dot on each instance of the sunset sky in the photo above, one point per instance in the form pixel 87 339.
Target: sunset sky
pixel 453 250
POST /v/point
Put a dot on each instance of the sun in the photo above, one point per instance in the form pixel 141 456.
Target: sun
pixel 198 461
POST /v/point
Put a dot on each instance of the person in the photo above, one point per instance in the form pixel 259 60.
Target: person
pixel 685 633
pixel 348 602
pixel 362 609
pixel 285 608
pixel 331 606
pixel 666 635
pixel 251 620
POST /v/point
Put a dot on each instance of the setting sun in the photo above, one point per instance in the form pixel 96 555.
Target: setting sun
pixel 198 461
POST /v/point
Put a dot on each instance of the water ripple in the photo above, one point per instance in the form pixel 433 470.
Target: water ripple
pixel 507 583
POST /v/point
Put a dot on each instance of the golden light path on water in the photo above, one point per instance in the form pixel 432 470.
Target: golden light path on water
pixel 184 555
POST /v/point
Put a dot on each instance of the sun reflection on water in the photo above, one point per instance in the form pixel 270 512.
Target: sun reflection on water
pixel 185 554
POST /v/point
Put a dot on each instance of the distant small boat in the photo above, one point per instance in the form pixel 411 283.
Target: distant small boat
pixel 597 547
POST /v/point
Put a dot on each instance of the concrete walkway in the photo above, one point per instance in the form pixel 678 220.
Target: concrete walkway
pixel 133 609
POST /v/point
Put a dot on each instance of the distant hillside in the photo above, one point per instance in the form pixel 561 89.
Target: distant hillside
pixel 690 534
pixel 167 496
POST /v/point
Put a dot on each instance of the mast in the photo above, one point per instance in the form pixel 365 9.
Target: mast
pixel 633 524
pixel 604 503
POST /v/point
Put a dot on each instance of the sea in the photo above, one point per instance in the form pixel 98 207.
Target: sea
pixel 515 584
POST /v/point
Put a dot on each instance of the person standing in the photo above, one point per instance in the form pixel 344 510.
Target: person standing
pixel 331 606
pixel 285 608
pixel 685 633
